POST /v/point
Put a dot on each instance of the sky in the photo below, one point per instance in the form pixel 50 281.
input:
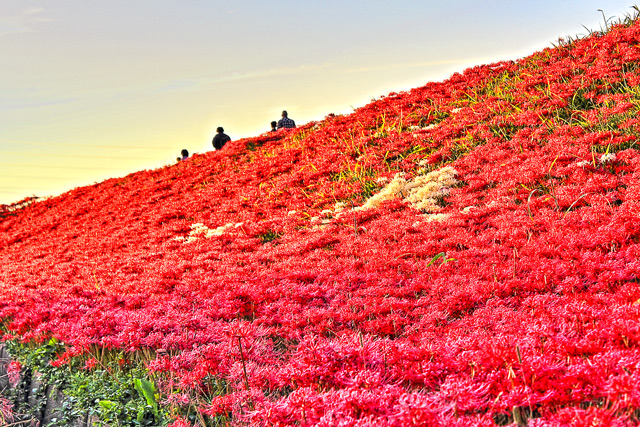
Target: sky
pixel 91 90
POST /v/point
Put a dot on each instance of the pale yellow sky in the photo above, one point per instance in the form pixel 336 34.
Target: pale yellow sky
pixel 93 90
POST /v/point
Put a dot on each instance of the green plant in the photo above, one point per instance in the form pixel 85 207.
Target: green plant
pixel 147 390
pixel 96 384
pixel 269 236
pixel 439 256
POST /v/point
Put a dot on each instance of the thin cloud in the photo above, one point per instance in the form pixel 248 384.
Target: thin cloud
pixel 180 85
pixel 10 26
pixel 33 11
pixel 411 65
pixel 23 22
pixel 274 72
pixel 11 106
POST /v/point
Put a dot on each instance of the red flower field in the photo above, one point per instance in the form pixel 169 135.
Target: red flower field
pixel 462 254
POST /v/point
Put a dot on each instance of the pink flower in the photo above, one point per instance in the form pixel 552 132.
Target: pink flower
pixel 90 364
pixel 13 372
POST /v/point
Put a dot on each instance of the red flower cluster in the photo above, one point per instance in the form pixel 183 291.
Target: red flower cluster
pixel 260 278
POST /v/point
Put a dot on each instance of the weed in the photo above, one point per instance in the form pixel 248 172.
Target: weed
pixel 269 236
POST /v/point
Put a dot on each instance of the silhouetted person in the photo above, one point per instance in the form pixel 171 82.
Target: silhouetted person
pixel 274 125
pixel 286 122
pixel 220 139
pixel 185 155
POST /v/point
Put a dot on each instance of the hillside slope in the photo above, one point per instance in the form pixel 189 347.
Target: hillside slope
pixel 465 253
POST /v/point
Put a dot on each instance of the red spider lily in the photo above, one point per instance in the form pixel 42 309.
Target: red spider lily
pixel 254 277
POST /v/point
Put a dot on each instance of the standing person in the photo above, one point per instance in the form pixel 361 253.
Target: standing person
pixel 285 121
pixel 274 125
pixel 220 139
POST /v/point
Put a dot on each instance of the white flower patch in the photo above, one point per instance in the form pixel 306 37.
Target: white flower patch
pixel 413 129
pixel 218 231
pixel 608 158
pixel 436 217
pixel 424 192
pixel 339 207
pixel 200 230
pixel 392 190
pixel 325 217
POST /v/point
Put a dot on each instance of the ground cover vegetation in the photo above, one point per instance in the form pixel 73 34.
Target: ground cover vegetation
pixel 461 254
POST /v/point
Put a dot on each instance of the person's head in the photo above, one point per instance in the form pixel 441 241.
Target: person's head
pixel 284 113
pixel 274 124
pixel 219 130
pixel 184 153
